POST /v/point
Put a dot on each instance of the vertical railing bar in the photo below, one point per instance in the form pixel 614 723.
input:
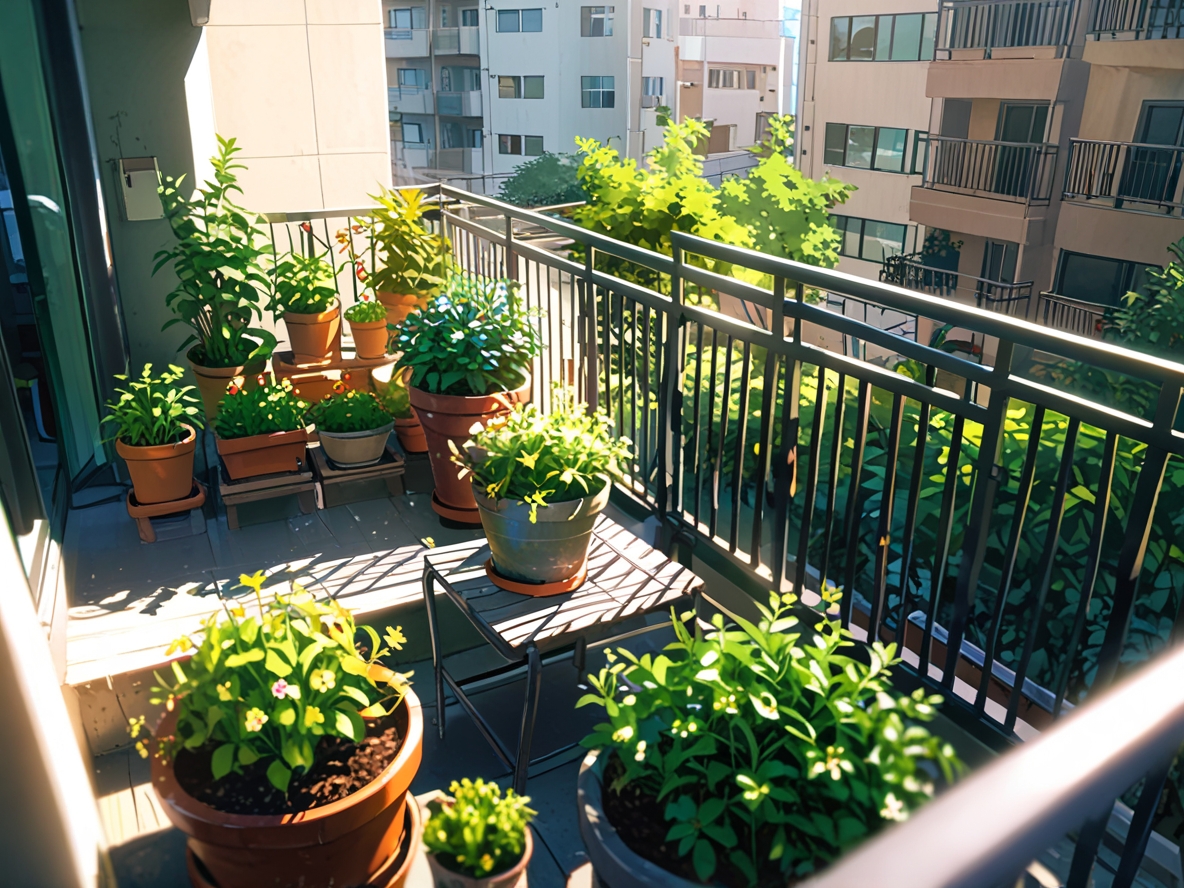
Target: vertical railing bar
pixel 817 428
pixel 832 478
pixel 696 412
pixel 706 461
pixel 645 395
pixel 739 448
pixel 670 419
pixel 916 478
pixel 853 511
pixel 1141 825
pixel 643 454
pixel 949 497
pixel 884 532
pixel 725 400
pixel 765 442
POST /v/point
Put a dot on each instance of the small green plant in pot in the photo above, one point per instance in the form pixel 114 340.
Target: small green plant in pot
pixel 305 297
pixel 755 753
pixel 155 421
pixel 368 326
pixel 469 354
pixel 261 431
pixel 479 838
pixel 540 482
pixel 390 387
pixel 278 697
pixel 353 427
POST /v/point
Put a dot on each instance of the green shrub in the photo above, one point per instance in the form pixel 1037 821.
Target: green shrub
pixel 154 410
pixel 543 181
pixel 349 411
pixel 478 832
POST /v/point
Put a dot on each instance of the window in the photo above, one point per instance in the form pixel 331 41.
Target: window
pixel 596 21
pixel 532 146
pixel 532 87
pixel 413 78
pixel 443 16
pixel 865 147
pixel 1098 278
pixel 513 20
pixel 868 239
pixel 409 17
pixel 651 23
pixel 474 138
pixel 920 152
pixel 598 92
pixel 515 87
pixel 413 133
pixel 454 78
pixel 509 144
pixel 750 79
pixel 723 78
pixel 469 18
pixel 702 12
pixel 653 86
pixel 882 38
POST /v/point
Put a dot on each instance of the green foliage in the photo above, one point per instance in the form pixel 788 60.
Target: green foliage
pixel 394 397
pixel 544 181
pixel 474 338
pixel 218 259
pixel 478 832
pixel 366 311
pixel 773 750
pixel 273 407
pixel 405 256
pixel 540 458
pixel 268 687
pixel 304 284
pixel 349 411
pixel 154 410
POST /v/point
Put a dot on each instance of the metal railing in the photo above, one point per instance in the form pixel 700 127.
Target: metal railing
pixel 909 271
pixel 1011 171
pixel 998 24
pixel 1138 19
pixel 1127 175
pixel 1072 315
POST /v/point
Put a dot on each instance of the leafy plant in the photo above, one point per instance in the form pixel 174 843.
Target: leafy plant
pixel 154 410
pixel 269 687
pixel 540 458
pixel 304 284
pixel 405 256
pixel 218 259
pixel 366 311
pixel 394 397
pixel 543 181
pixel 474 338
pixel 478 832
pixel 273 407
pixel 349 411
pixel 772 750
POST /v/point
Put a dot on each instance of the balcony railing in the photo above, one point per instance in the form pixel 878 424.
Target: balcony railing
pixel 1126 175
pixel 1004 170
pixel 456 41
pixel 406 43
pixel 1006 24
pixel 1006 298
pixel 410 99
pixel 459 104
pixel 1071 315
pixel 1138 19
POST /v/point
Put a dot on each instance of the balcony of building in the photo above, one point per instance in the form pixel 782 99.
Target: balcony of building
pixel 467 103
pixel 407 43
pixel 411 100
pixel 1126 175
pixel 1007 29
pixel 456 41
pixel 1071 315
pixel 1137 20
pixel 999 296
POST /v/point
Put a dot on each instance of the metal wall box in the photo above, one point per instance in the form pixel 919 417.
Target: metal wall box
pixel 138 180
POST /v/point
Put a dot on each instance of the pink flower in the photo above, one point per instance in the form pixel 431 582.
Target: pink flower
pixel 280 689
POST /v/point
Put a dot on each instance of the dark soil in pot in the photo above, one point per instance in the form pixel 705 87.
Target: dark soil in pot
pixel 342 767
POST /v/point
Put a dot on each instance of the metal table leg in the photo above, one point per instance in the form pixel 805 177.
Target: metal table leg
pixel 429 601
pixel 534 668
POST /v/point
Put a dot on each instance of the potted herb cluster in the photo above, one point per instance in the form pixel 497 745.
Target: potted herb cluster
pixel 155 422
pixel 751 755
pixel 218 259
pixel 479 838
pixel 261 431
pixel 369 328
pixel 353 428
pixel 306 298
pixel 540 482
pixel 287 748
pixel 469 354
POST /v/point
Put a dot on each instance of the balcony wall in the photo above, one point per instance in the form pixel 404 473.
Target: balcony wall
pixel 410 100
pixel 1104 231
pixel 980 215
pixel 460 104
pixel 456 41
pixel 405 43
pixel 1024 29
pixel 1003 78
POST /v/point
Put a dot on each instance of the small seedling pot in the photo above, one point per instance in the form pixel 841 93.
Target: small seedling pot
pixel 514 877
pixel 370 338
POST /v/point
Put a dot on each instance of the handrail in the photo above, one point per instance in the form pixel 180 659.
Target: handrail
pixel 1005 24
pixel 1138 19
pixel 909 271
pixel 1126 175
pixel 1018 171
pixel 1074 315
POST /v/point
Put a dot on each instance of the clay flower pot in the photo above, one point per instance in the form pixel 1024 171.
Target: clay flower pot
pixel 263 454
pixel 212 381
pixel 399 305
pixel 312 335
pixel 448 418
pixel 370 338
pixel 352 450
pixel 359 840
pixel 514 877
pixel 161 473
pixel 410 434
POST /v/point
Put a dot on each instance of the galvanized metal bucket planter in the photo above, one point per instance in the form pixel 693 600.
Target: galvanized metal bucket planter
pixel 353 450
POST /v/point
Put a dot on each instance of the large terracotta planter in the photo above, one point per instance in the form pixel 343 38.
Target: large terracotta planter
pixel 514 877
pixel 212 381
pixel 410 434
pixel 353 450
pixel 263 454
pixel 312 335
pixel 160 473
pixel 354 841
pixel 449 418
pixel 370 338
pixel 399 305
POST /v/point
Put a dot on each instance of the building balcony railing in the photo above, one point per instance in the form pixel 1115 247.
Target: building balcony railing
pixel 456 41
pixel 1071 315
pixel 1008 171
pixel 410 100
pixel 1138 19
pixel 988 25
pixel 460 104
pixel 407 43
pixel 1126 175
pixel 1006 298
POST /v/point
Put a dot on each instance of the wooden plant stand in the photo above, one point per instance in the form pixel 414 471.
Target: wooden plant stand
pixel 264 487
pixel 389 470
pixel 143 515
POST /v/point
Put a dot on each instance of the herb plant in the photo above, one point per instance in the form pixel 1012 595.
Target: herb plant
pixel 268 687
pixel 472 339
pixel 154 410
pixel 479 832
pixel 273 407
pixel 366 311
pixel 540 458
pixel 771 749
pixel 218 259
pixel 349 411
pixel 404 256
pixel 304 284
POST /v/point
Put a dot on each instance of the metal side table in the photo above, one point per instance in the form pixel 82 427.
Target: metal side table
pixel 626 578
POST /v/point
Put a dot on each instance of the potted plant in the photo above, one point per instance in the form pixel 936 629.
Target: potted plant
pixel 479 838
pixel 369 327
pixel 540 482
pixel 305 297
pixel 390 387
pixel 155 421
pixel 218 260
pixel 469 352
pixel 287 748
pixel 261 432
pixel 751 754
pixel 352 426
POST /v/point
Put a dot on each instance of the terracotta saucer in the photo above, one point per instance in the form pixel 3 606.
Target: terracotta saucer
pixel 536 590
pixel 471 517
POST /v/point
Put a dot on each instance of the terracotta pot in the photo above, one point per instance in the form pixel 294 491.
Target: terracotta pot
pixel 353 841
pixel 212 381
pixel 160 473
pixel 370 339
pixel 514 877
pixel 313 385
pixel 399 305
pixel 410 435
pixel 263 454
pixel 312 335
pixel 352 450
pixel 448 418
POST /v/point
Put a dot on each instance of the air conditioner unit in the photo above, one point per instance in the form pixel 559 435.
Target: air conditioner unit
pixel 651 101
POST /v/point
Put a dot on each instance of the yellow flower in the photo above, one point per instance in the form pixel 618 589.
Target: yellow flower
pixel 395 637
pixel 529 460
pixel 256 719
pixel 252 581
pixel 142 749
pixel 323 680
pixel 313 716
pixel 224 692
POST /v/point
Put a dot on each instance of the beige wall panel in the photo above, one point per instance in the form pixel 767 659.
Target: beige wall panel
pixel 1017 79
pixel 879 94
pixel 344 12
pixel 998 219
pixel 1135 53
pixel 984 117
pixel 1119 234
pixel 256 12
pixel 347 179
pixel 1116 95
pixel 880 195
pixel 348 78
pixel 281 184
